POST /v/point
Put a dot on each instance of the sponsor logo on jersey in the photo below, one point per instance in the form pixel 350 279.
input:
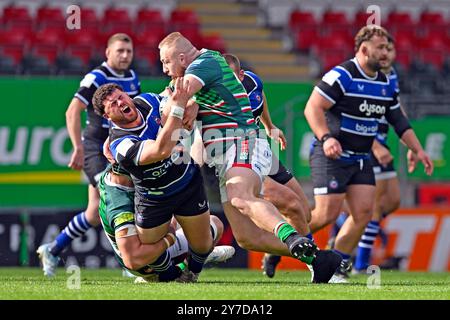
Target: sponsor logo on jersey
pixel 370 108
pixel 366 129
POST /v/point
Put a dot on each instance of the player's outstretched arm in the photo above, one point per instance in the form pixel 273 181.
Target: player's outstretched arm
pixel 73 123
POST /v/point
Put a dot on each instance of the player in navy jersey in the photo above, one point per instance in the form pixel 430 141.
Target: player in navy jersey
pixel 387 192
pixel 87 148
pixel 344 112
pixel 165 184
pixel 281 189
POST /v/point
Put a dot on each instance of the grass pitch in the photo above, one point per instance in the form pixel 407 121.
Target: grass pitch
pixel 219 284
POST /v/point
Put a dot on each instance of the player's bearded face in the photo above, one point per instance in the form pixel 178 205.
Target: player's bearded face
pixel 386 64
pixel 377 53
pixel 119 107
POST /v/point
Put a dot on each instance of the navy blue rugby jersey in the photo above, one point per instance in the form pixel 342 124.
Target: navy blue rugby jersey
pixel 359 102
pixel 96 126
pixel 383 125
pixel 254 87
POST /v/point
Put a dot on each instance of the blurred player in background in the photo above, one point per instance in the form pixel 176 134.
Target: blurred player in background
pixel 280 187
pixel 387 191
pixel 343 112
pixel 87 150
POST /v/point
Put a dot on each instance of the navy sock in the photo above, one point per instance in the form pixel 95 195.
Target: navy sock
pixel 344 256
pixel 77 227
pixel 196 260
pixel 165 268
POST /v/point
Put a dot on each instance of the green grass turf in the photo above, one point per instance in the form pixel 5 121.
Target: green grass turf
pixel 219 284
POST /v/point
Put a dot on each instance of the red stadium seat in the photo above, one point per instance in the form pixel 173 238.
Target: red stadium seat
pixel 301 20
pixel 151 55
pixel 46 50
pixel 89 18
pixel 14 37
pixel 181 19
pixel 84 53
pixel 434 57
pixel 214 42
pixel 50 35
pixel 361 20
pixel 399 18
pixel 334 17
pixel 80 37
pixel 48 17
pixel 334 22
pixel 148 19
pixel 117 19
pixel 335 41
pixel 303 39
pixel 16 16
pixel 332 57
pixel 150 38
pixel 16 52
pixel 432 18
pixel 15 13
pixel 404 58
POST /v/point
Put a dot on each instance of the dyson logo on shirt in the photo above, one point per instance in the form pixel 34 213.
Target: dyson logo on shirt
pixel 368 108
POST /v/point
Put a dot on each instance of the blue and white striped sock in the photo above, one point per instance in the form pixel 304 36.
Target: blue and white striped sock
pixel 365 245
pixel 75 229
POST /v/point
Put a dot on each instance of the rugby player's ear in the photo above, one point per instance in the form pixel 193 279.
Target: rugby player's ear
pixel 241 74
pixel 182 58
pixel 107 52
pixel 364 50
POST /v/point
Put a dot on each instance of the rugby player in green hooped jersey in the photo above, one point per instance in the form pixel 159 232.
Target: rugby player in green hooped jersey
pixel 240 156
pixel 116 212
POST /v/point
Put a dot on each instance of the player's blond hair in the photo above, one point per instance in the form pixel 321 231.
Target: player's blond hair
pixel 177 41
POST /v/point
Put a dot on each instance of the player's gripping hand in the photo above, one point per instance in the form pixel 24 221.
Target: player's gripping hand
pixel 332 148
pixel 107 152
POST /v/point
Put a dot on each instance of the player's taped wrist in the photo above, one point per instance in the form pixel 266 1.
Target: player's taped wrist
pixel 177 112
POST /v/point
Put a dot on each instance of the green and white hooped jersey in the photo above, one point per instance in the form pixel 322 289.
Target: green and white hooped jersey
pixel 116 210
pixel 223 102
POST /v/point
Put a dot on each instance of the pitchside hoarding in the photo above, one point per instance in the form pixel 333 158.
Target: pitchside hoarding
pixel 420 238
